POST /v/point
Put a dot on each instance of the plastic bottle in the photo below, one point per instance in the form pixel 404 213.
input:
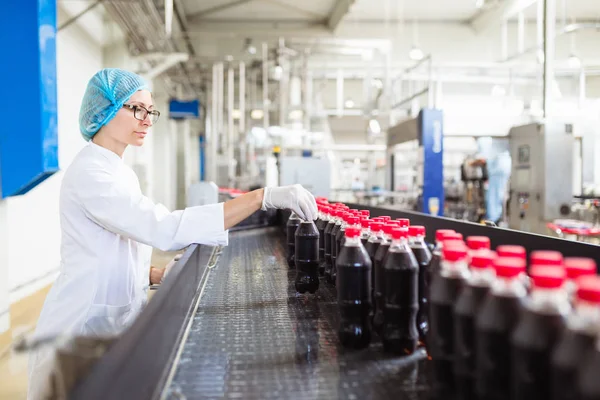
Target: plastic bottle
pixel 307 257
pixel 445 289
pixel 365 232
pixel 403 222
pixel 400 295
pixel 494 325
pixel 478 243
pixel 436 254
pixel 545 257
pixel 365 213
pixel 291 226
pixel 416 241
pixel 541 324
pixel 377 236
pixel 515 251
pixel 354 292
pixel 466 309
pixel 341 220
pixel 379 259
pixel 333 215
pixel 577 341
pixel 322 222
pixel 576 267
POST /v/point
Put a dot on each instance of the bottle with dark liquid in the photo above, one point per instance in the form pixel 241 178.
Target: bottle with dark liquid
pixel 291 226
pixel 338 224
pixel 402 222
pixel 337 235
pixel 466 308
pixel 577 267
pixel 577 341
pixel 416 241
pixel 354 291
pixel 436 254
pixel 375 239
pixel 400 296
pixel 322 222
pixel 335 215
pixel 588 383
pixel 540 326
pixel 515 251
pixel 494 325
pixel 379 285
pixel 478 243
pixel 365 232
pixel 445 289
pixel 307 257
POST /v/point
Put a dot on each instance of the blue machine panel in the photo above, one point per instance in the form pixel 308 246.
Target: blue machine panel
pixel 28 133
pixel 431 139
pixel 184 109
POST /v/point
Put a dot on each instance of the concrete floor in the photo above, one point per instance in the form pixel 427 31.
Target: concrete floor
pixel 24 314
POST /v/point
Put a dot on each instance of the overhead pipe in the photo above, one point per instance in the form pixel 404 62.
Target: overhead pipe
pixel 230 127
pixel 265 84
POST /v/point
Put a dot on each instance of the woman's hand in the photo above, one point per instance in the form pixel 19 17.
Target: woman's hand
pixel 156 275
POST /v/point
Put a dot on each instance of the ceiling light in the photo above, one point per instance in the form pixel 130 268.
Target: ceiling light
pixel 349 103
pixel 479 3
pixel 374 126
pixel 229 58
pixel 498 91
pixel 377 83
pixel 257 114
pixel 416 53
pixel 236 114
pixel 252 50
pixel 574 61
pixel 295 115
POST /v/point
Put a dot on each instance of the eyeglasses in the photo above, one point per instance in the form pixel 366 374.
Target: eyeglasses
pixel 141 113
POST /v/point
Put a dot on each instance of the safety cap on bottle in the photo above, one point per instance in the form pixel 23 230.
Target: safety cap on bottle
pixel 352 220
pixel 403 222
pixel 452 236
pixel 366 213
pixel 478 242
pixel 509 267
pixel 352 232
pixel 376 226
pixel 588 288
pixel 510 250
pixel 547 276
pixel 398 233
pixel 482 259
pixel 365 223
pixel 388 228
pixel 385 218
pixel 455 252
pixel 416 230
pixel 546 257
pixel 579 266
pixel 440 233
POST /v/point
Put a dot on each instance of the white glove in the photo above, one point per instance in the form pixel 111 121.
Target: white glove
pixel 294 198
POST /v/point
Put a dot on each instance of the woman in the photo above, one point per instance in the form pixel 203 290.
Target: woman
pixel 109 227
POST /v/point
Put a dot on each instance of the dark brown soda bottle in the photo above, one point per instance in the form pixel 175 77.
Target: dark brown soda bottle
pixel 416 241
pixel 334 250
pixel 466 308
pixel 588 383
pixel 400 296
pixel 494 325
pixel 307 257
pixel 445 289
pixel 322 222
pixel 578 340
pixel 540 326
pixel 337 236
pixel 354 291
pixel 478 243
pixel 577 267
pixel 436 255
pixel 379 285
pixel 375 239
pixel 291 226
pixel 365 232
pixel 327 242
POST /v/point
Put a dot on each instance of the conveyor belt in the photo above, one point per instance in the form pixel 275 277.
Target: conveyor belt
pixel 253 338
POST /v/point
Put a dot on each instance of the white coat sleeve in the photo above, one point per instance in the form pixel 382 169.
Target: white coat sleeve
pixel 111 203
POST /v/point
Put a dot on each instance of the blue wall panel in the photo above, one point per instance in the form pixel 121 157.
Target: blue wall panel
pixel 28 99
pixel 431 137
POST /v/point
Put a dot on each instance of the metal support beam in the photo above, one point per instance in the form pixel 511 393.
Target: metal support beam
pixel 230 127
pixel 549 27
pixel 265 85
pixel 168 60
pixel 215 9
pixel 495 16
pixel 297 9
pixel 81 14
pixel 341 8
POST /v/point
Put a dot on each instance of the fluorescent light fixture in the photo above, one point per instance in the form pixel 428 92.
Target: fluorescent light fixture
pixel 236 114
pixel 574 61
pixel 377 83
pixel 257 114
pixel 374 126
pixel 498 91
pixel 296 114
pixel 479 3
pixel 349 103
pixel 416 54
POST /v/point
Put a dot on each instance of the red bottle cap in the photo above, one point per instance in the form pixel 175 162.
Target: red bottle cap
pixel 547 277
pixel 366 213
pixel 352 220
pixel 352 232
pixel 385 218
pixel 509 267
pixel 416 230
pixel 482 259
pixel 455 252
pixel 376 226
pixel 365 223
pixel 588 288
pixel 546 257
pixel 398 233
pixel 478 242
pixel 387 228
pixel 579 266
pixel 512 251
pixel 403 222
pixel 440 233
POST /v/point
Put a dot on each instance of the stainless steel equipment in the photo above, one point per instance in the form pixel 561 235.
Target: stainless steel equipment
pixel 311 172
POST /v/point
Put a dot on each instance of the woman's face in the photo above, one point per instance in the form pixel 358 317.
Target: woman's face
pixel 124 127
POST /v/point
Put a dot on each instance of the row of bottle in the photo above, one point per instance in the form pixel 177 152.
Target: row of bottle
pixel 498 333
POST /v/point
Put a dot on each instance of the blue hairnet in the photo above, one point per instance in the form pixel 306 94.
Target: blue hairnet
pixel 104 96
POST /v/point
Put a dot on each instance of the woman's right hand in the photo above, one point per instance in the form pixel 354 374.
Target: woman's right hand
pixel 293 197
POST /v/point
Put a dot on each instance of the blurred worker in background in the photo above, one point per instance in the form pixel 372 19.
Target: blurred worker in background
pixel 499 164
pixel 109 227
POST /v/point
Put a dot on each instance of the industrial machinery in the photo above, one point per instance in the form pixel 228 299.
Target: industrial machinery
pixel 311 172
pixel 415 151
pixel 541 183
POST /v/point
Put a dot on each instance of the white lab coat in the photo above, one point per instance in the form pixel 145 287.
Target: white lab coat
pixel 108 230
